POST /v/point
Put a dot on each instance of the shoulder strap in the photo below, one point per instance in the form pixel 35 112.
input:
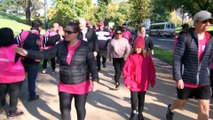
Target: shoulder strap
pixel 188 39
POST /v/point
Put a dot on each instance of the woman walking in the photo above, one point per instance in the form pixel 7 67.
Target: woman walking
pixel 11 73
pixel 76 61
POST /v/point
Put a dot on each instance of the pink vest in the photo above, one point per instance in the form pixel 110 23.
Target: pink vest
pixel 10 71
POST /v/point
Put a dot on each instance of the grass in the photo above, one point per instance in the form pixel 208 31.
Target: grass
pixel 164 55
pixel 15 22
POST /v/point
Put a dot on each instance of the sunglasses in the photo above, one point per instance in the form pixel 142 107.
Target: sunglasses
pixel 69 32
pixel 205 21
pixel 118 33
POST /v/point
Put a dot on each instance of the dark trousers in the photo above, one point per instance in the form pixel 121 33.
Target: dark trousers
pixel 137 100
pixel 13 90
pixel 65 105
pixel 98 57
pixel 211 78
pixel 52 63
pixel 118 64
pixel 31 70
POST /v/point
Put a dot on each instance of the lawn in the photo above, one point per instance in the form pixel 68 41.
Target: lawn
pixel 15 22
pixel 164 55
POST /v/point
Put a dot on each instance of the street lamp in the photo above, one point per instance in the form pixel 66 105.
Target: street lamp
pixel 45 13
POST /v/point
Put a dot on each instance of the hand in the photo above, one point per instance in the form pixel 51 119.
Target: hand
pixel 152 84
pixel 94 86
pixel 95 53
pixel 21 51
pixel 180 84
pixel 152 52
pixel 38 42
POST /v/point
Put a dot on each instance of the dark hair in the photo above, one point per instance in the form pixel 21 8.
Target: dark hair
pixel 118 29
pixel 75 26
pixel 6 37
pixel 143 52
pixel 36 24
pixel 140 26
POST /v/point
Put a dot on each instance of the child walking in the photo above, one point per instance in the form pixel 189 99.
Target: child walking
pixel 138 72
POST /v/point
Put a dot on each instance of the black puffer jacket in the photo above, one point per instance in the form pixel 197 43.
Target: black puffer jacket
pixel 82 64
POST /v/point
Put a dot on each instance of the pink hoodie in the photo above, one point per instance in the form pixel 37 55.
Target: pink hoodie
pixel 139 72
pixel 10 71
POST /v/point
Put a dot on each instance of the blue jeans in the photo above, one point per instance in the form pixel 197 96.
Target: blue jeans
pixel 31 70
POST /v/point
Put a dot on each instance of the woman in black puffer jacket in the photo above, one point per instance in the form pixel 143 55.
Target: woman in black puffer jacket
pixel 76 64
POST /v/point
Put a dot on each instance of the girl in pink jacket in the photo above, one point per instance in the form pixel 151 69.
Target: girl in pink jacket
pixel 138 72
pixel 11 72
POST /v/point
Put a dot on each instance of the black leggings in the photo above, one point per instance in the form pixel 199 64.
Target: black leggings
pixel 118 64
pixel 13 90
pixel 65 105
pixel 137 100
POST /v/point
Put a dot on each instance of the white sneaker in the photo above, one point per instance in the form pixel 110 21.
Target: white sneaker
pixel 44 71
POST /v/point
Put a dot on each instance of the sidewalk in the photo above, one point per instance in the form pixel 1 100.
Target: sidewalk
pixel 107 103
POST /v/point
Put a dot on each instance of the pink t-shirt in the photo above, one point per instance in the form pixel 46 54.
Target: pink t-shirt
pixel 80 88
pixel 202 45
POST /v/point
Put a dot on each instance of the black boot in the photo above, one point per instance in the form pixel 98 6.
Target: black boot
pixel 140 117
pixel 133 115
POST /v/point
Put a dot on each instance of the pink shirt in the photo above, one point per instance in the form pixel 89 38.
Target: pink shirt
pixel 118 48
pixel 11 71
pixel 80 88
pixel 202 45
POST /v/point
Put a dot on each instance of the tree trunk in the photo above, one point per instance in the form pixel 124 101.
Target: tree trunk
pixel 27 6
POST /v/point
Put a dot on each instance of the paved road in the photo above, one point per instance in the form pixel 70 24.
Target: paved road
pixel 163 42
pixel 106 103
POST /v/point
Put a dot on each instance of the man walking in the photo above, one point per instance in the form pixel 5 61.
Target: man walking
pixel 192 59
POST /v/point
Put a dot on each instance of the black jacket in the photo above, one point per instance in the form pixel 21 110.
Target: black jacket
pixel 78 70
pixel 148 43
pixel 186 64
pixel 91 39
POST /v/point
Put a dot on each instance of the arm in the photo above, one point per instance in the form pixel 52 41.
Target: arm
pixel 127 51
pixel 127 72
pixel 151 71
pixel 177 59
pixel 109 50
pixel 151 45
pixel 96 46
pixel 51 41
pixel 45 54
pixel 92 66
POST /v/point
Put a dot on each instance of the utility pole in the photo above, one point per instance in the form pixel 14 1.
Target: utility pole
pixel 45 13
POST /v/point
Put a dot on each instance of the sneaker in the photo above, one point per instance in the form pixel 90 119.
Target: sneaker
pixel 133 115
pixel 14 114
pixel 169 114
pixel 104 65
pixel 33 98
pixel 53 72
pixel 117 86
pixel 140 117
pixel 44 71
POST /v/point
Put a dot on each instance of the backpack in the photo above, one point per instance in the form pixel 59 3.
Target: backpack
pixel 27 40
pixel 30 42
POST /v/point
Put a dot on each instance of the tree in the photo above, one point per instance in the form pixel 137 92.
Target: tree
pixel 159 13
pixel 30 7
pixel 190 6
pixel 70 10
pixel 11 6
pixel 141 10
